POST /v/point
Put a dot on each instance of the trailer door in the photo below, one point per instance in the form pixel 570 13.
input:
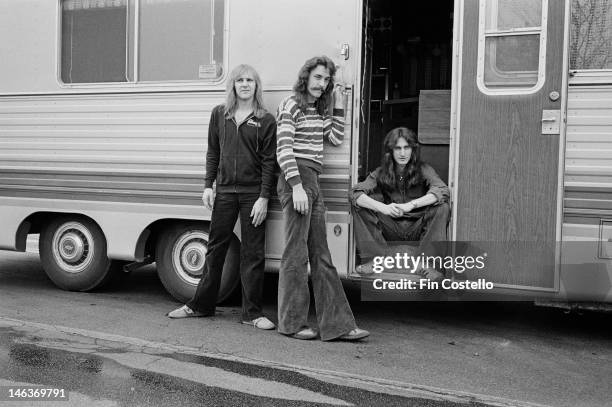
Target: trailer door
pixel 509 134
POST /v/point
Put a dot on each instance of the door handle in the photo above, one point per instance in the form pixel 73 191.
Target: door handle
pixel 551 121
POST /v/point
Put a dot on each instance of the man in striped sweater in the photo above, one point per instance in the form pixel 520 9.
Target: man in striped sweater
pixel 303 124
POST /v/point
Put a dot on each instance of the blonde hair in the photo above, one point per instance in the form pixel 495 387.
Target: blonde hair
pixel 231 102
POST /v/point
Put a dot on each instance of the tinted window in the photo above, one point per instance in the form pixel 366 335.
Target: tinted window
pixel 178 40
pixel 175 44
pixel 94 41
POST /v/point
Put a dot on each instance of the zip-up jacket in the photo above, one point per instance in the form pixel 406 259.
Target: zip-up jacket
pixel 241 158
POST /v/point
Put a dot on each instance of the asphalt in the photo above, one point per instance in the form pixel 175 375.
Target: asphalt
pixel 107 373
pixel 513 353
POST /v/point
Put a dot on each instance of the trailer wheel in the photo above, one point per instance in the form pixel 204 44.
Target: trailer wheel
pixel 73 254
pixel 180 255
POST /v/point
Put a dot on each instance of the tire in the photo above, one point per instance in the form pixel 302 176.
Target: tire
pixel 73 254
pixel 116 276
pixel 180 255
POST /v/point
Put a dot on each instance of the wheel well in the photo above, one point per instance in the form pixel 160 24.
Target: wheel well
pixel 148 238
pixel 35 222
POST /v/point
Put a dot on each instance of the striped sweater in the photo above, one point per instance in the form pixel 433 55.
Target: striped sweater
pixel 300 137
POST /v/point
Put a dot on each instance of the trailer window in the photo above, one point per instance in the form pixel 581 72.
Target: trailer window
pixel 94 45
pixel 184 51
pixel 591 35
pixel 141 41
pixel 511 47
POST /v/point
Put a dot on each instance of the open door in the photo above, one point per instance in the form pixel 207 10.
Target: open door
pixel 509 136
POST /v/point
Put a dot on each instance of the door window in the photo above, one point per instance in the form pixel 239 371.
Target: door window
pixel 511 49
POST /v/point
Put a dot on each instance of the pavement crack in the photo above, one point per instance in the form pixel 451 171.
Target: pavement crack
pixel 155 360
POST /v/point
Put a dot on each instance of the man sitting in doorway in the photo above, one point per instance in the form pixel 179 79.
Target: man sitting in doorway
pixel 402 200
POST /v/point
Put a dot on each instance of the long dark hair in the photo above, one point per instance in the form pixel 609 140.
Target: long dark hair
pixel 301 85
pixel 388 176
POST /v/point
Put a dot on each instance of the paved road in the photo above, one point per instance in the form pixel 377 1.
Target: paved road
pixel 498 354
pixel 110 373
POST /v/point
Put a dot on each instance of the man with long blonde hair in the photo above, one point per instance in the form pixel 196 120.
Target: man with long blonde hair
pixel 241 159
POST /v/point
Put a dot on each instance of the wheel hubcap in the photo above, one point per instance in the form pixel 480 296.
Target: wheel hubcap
pixel 73 247
pixel 188 255
pixel 193 257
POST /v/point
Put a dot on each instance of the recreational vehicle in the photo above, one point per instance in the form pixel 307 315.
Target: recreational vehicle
pixel 104 108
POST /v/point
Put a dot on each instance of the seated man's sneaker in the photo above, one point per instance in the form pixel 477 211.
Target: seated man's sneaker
pixel 355 335
pixel 365 269
pixel 431 274
pixel 184 312
pixel 261 323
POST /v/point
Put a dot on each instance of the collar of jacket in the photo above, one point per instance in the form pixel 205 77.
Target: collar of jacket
pixel 249 117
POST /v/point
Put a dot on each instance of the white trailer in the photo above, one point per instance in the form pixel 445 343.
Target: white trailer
pixel 104 108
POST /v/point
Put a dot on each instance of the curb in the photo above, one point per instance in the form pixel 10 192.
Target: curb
pixel 370 383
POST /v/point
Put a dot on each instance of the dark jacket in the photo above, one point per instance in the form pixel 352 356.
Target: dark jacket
pixel 431 184
pixel 241 159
